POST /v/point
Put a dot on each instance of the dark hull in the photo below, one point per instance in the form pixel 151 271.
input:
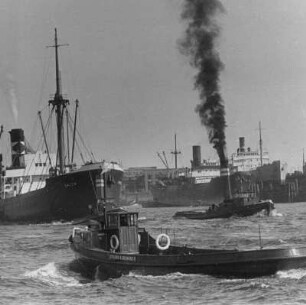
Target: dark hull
pixel 187 193
pixel 64 198
pixel 243 211
pixel 213 262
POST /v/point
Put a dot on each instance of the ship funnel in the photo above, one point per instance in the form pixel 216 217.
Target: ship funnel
pixel 18 147
pixel 241 144
pixel 196 152
pixel 226 182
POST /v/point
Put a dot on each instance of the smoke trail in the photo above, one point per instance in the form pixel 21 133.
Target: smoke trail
pixel 7 87
pixel 198 44
pixel 12 97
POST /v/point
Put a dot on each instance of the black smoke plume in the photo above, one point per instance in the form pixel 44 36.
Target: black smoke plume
pixel 198 44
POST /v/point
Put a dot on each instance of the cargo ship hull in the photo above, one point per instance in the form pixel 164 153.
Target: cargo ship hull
pixel 205 194
pixel 64 198
pixel 186 195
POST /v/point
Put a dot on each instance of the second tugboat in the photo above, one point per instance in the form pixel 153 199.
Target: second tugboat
pixel 246 204
pixel 240 204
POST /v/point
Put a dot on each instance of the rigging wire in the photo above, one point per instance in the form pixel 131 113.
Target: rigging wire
pixel 28 169
pixel 71 76
pixel 26 175
pixel 44 171
pixel 80 138
pixel 46 68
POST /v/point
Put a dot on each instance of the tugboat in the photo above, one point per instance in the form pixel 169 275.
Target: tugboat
pixel 242 205
pixel 114 244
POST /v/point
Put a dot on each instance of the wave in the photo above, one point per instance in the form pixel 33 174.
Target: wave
pixel 50 275
pixel 169 276
pixel 54 223
pixel 43 246
pixel 33 236
pixel 166 276
pixel 275 213
pixel 61 223
pixel 295 274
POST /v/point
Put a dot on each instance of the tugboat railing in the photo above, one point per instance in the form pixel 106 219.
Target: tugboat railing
pixel 77 230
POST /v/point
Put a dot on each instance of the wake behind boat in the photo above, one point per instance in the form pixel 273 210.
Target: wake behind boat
pixel 242 205
pixel 43 187
pixel 115 245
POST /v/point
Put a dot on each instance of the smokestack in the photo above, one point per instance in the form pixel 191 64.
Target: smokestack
pixel 196 151
pixel 18 147
pixel 241 144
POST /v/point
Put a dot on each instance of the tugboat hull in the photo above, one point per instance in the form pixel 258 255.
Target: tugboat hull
pixel 243 264
pixel 226 212
pixel 113 244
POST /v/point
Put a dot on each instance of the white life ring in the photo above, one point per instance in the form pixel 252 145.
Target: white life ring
pixel 139 239
pixel 159 238
pixel 114 242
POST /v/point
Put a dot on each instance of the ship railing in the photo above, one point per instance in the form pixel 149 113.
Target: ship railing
pixel 78 230
pixel 170 232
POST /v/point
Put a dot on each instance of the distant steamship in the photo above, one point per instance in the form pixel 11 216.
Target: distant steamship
pixel 249 171
pixel 43 187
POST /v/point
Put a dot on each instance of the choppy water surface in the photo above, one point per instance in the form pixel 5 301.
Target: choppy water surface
pixel 35 263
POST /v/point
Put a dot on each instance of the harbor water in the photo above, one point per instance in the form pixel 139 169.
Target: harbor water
pixel 38 267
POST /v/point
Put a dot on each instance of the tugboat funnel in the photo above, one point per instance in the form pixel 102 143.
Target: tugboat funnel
pixel 225 174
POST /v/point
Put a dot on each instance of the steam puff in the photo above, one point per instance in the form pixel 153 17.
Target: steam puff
pixel 9 92
pixel 198 44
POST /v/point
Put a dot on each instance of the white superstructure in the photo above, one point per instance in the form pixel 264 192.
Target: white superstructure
pixel 30 177
pixel 208 170
pixel 246 159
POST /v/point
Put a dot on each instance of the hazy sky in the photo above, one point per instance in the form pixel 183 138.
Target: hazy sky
pixel 136 89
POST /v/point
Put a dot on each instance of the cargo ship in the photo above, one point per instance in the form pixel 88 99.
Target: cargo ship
pixel 42 187
pixel 250 171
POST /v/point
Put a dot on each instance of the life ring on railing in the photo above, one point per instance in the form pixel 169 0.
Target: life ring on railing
pixel 114 242
pixel 139 239
pixel 158 240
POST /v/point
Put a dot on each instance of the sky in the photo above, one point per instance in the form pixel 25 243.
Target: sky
pixel 136 89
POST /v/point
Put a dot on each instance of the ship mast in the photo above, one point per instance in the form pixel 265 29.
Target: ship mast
pixel 175 152
pixel 303 168
pixel 59 103
pixel 260 143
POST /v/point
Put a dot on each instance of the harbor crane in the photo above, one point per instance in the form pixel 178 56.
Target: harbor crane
pixel 164 160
